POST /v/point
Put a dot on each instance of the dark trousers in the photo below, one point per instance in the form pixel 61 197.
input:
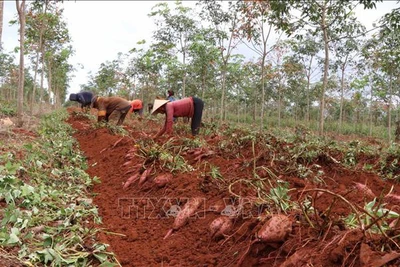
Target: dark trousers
pixel 138 111
pixel 120 113
pixel 198 113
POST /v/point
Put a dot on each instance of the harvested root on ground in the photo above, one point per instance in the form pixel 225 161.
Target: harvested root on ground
pixel 393 198
pixel 220 226
pixel 276 229
pixel 132 150
pixel 144 176
pixel 163 179
pixel 134 168
pixel 130 180
pixel 127 163
pixel 364 189
pixel 202 155
pixel 129 156
pixel 183 216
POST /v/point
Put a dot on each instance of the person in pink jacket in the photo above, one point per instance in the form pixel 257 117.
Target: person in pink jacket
pixel 190 107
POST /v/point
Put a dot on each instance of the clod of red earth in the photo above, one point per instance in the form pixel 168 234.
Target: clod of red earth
pixel 217 206
pixel 368 257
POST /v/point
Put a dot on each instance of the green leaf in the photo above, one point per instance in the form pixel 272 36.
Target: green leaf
pixel 101 256
pixel 35 210
pixel 39 163
pixel 47 241
pixel 27 190
pixel 107 264
pixel 13 238
pixel 47 253
pixel 11 168
pixel 370 205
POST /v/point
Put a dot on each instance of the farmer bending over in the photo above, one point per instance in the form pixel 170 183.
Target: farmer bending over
pixel 108 105
pixel 137 107
pixel 190 107
pixel 84 98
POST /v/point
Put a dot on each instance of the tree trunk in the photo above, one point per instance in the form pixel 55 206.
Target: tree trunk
pixel 56 96
pixel 390 109
pixel 326 66
pixel 21 80
pixel 184 75
pixel 279 104
pixel 39 48
pixel 50 86
pixel 1 20
pixel 343 68
pixel 34 81
pixel 41 83
pixel 370 110
pixel 222 111
pixel 203 83
pixel 255 105
pixel 308 90
pixel 238 111
pixel 262 89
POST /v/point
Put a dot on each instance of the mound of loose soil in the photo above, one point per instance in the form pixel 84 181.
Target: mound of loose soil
pixel 137 219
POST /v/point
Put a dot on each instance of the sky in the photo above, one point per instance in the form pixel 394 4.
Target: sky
pixel 101 29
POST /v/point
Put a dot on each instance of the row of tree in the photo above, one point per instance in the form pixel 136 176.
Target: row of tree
pixel 313 61
pixel 45 41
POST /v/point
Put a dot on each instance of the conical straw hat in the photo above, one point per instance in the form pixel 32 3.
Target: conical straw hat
pixel 158 103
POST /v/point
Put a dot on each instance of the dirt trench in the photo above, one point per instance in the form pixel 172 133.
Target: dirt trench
pixel 136 220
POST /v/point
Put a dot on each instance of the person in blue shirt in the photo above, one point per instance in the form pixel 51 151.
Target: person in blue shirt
pixel 84 98
pixel 171 96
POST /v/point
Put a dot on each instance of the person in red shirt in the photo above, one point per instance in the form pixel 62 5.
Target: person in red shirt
pixel 108 105
pixel 190 107
pixel 137 107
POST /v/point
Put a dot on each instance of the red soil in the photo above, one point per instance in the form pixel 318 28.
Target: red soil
pixel 135 220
